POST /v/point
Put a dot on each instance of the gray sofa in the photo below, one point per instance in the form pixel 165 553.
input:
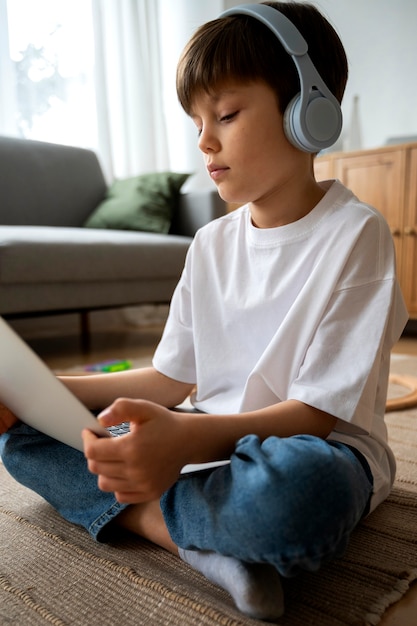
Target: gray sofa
pixel 50 264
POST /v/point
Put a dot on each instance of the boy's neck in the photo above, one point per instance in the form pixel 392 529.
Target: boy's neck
pixel 287 204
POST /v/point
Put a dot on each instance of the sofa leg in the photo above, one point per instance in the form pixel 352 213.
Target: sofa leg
pixel 85 331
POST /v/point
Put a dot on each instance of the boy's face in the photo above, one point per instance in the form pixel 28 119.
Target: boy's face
pixel 242 138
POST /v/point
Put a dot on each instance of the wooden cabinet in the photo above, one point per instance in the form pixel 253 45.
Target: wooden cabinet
pixel 323 168
pixel 409 234
pixel 386 178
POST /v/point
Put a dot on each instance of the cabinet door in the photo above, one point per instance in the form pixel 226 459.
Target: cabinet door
pixel 323 169
pixel 410 236
pixel 378 179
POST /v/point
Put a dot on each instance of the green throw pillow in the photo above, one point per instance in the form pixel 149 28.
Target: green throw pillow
pixel 147 202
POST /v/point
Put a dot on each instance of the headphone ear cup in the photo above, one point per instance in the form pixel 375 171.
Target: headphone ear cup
pixel 292 112
pixel 315 128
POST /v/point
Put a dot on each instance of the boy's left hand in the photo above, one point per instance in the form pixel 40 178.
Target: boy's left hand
pixel 140 466
pixel 7 419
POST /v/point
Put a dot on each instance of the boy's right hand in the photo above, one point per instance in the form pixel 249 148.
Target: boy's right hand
pixel 7 419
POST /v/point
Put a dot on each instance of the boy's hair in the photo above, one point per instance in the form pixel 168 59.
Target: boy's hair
pixel 240 48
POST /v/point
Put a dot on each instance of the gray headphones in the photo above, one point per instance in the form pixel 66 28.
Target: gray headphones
pixel 313 118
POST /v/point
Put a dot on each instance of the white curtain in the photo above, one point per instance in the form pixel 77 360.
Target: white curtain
pixel 131 125
pixel 141 126
pixel 8 92
pixel 178 21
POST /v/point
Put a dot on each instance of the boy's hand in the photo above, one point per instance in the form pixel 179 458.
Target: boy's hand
pixel 140 466
pixel 7 419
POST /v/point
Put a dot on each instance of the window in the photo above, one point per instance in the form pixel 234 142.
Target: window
pixel 51 48
pixel 101 74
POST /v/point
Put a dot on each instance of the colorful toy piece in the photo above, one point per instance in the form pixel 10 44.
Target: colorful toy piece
pixel 109 366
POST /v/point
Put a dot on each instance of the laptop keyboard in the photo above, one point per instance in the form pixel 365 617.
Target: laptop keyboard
pixel 119 429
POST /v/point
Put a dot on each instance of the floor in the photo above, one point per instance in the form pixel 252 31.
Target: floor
pixel 62 352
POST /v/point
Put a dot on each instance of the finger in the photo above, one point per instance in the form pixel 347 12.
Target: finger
pixel 134 497
pixel 6 425
pixel 109 484
pixel 89 440
pixel 124 486
pixel 120 411
pixel 7 418
pixel 101 448
pixel 125 410
pixel 113 470
pixel 107 416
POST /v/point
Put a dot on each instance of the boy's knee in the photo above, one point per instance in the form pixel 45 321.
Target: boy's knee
pixel 28 454
pixel 289 487
pixel 7 445
pixel 15 442
pixel 286 469
pixel 282 501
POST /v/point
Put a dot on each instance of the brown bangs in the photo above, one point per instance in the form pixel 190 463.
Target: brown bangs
pixel 221 51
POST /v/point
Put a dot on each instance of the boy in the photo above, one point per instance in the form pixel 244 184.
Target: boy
pixel 281 326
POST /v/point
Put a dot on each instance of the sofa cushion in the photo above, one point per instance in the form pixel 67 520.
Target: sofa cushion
pixel 145 203
pixel 41 254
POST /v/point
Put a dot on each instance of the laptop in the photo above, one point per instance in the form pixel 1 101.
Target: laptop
pixel 34 394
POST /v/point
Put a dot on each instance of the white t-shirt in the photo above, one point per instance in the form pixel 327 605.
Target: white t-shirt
pixel 307 311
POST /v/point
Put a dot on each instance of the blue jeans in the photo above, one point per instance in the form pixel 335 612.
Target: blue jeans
pixel 290 502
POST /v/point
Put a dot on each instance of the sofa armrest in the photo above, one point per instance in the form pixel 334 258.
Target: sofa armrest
pixel 197 208
pixel 45 184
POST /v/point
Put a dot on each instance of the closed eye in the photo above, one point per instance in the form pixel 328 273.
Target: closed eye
pixel 225 118
pixel 228 118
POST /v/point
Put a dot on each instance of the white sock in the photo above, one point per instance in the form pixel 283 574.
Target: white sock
pixel 255 587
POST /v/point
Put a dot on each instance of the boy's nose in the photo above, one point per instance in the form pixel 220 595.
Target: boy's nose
pixel 207 142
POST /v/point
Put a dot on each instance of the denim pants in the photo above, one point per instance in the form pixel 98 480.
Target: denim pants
pixel 290 502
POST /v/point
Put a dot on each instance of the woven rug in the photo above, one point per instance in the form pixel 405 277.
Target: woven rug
pixel 52 573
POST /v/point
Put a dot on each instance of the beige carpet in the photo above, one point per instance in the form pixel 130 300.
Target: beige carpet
pixel 52 573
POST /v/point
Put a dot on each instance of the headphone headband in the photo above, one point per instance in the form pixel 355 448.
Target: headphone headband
pixel 290 37
pixel 313 119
